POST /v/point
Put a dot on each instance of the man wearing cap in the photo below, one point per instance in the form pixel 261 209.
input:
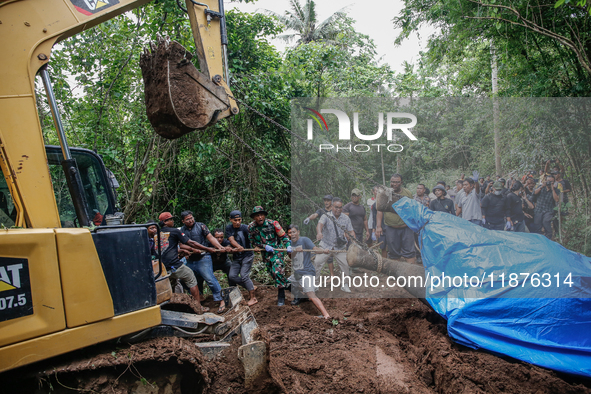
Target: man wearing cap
pixel 399 238
pixel 357 214
pixel 237 234
pixel 268 235
pixel 432 195
pixel 494 208
pixel 441 203
pixel 170 238
pixel 321 211
pixel 201 263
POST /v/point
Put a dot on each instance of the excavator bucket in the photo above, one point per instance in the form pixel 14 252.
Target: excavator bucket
pixel 179 98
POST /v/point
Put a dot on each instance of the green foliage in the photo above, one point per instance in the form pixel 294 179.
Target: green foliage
pixel 584 4
pixel 544 53
pixel 303 20
pixel 576 232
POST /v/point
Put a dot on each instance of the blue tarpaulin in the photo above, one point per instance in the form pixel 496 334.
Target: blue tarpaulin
pixel 516 294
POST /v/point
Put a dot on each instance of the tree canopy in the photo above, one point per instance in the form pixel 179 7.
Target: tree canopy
pixel 541 51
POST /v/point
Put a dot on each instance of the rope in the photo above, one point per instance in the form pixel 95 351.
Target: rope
pixel 380 262
pixel 293 250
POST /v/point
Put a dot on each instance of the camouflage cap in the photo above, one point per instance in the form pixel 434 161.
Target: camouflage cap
pixel 258 209
pixel 498 185
pixel 356 192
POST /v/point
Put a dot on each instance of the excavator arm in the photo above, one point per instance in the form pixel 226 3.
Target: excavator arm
pixel 63 289
pixel 28 31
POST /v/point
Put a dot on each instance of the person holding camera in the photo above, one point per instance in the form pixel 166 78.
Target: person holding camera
pixel 516 202
pixel 545 197
pixel 332 231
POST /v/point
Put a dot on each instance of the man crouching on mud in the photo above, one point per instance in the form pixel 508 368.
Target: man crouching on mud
pixel 267 235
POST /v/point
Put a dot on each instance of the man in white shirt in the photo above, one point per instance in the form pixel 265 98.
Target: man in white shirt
pixel 332 230
pixel 468 202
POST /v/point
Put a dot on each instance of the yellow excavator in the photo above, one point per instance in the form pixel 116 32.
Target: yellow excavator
pixel 64 284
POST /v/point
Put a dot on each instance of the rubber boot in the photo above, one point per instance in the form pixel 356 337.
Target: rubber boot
pixel 281 296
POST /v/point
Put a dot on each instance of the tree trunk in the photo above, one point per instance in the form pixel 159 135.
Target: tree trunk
pixel 357 257
pixel 495 90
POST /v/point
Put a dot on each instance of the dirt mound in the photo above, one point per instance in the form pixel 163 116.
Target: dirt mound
pixel 370 346
pixel 387 346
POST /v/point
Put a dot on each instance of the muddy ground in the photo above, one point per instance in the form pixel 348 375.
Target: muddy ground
pixel 371 346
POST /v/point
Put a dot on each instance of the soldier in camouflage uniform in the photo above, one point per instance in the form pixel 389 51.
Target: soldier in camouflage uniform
pixel 268 235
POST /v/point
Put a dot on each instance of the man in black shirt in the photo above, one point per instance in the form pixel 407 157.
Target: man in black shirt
pixel 201 263
pixel 528 209
pixel 494 208
pixel 321 211
pixel 237 234
pixel 441 203
pixel 516 201
pixel 152 231
pixel 357 214
pixel 171 237
pixel 504 190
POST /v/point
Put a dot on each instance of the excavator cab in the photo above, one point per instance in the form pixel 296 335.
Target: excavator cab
pixel 96 183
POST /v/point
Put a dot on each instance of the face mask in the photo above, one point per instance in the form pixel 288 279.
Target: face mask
pixel 498 192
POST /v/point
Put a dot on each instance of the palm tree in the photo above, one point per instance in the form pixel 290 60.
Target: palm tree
pixel 303 20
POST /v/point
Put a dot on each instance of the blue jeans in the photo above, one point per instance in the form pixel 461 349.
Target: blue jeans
pixel 476 221
pixel 204 269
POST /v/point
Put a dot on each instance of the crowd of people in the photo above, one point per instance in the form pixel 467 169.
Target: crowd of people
pixel 527 204
pixel 192 253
